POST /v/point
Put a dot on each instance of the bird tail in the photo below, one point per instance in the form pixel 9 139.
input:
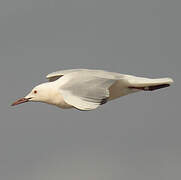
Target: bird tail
pixel 148 84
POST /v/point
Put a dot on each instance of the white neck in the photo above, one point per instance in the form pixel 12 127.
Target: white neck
pixel 52 95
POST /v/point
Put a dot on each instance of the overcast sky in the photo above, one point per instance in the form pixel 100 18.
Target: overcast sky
pixel 135 137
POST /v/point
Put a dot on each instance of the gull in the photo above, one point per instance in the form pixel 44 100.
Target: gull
pixel 87 89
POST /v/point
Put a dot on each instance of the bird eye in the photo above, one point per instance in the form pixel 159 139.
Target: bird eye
pixel 35 91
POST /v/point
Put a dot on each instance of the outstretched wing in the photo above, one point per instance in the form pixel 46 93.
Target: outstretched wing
pixel 100 73
pixel 85 90
pixel 57 74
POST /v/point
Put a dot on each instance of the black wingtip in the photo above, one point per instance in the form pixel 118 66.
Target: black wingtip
pixel 104 101
pixel 151 88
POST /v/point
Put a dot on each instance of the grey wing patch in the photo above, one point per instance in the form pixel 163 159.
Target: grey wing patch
pixel 85 91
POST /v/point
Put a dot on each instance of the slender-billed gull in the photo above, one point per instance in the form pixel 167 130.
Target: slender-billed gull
pixel 86 89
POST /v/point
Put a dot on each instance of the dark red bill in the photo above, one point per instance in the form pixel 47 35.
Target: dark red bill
pixel 20 101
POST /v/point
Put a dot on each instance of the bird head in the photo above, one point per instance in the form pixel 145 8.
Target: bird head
pixel 40 93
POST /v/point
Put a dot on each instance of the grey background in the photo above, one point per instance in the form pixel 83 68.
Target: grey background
pixel 135 137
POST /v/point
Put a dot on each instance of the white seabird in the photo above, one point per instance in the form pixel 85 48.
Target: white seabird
pixel 86 89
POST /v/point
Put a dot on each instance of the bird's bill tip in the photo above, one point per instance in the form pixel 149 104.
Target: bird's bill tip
pixel 20 101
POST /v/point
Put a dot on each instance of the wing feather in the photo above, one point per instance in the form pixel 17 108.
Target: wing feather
pixel 99 73
pixel 57 74
pixel 143 82
pixel 85 90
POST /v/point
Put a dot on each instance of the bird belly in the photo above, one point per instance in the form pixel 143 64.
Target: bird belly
pixel 59 101
pixel 64 106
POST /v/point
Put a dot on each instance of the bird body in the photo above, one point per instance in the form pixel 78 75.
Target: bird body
pixel 87 89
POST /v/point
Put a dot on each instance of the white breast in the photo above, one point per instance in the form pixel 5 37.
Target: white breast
pixel 59 101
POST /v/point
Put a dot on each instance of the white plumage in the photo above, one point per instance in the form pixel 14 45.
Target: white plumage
pixel 87 89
